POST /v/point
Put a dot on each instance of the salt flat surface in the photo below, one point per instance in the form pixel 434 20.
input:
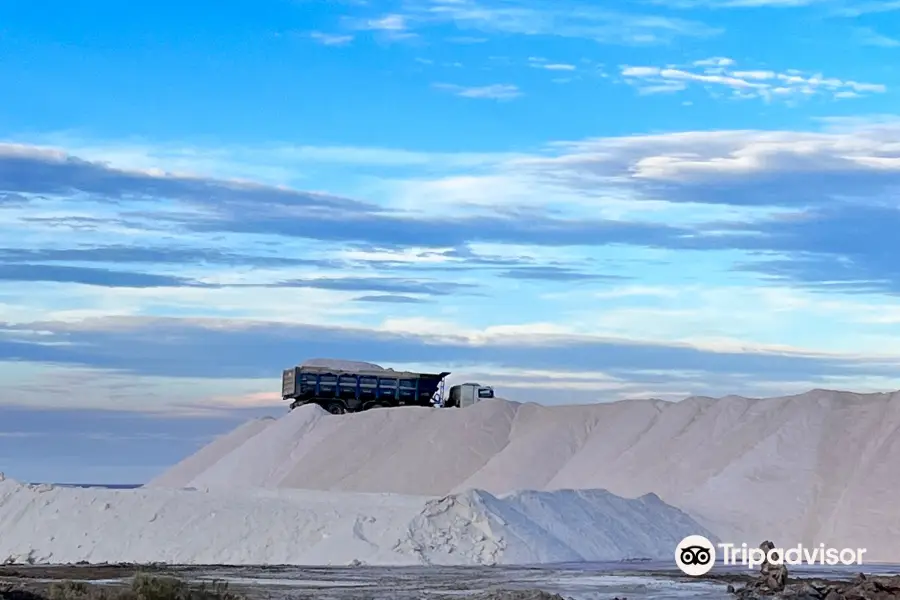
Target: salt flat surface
pixel 820 467
pixel 50 524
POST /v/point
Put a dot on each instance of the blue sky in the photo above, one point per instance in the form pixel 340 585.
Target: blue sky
pixel 571 201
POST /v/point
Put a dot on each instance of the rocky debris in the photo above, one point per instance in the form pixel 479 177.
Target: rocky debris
pixel 517 595
pixel 861 587
pixel 771 580
pixel 772 575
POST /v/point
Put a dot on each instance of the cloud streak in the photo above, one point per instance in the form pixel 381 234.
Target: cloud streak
pixel 794 195
pixel 475 19
pixel 762 84
pixel 497 91
pixel 330 39
pixel 40 171
pixel 172 348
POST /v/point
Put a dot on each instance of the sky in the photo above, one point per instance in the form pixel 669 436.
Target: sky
pixel 572 202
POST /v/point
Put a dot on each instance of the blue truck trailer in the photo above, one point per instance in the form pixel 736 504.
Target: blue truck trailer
pixel 342 390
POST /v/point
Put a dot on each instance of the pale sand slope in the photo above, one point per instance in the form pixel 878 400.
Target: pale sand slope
pixel 254 526
pixel 209 454
pixel 822 467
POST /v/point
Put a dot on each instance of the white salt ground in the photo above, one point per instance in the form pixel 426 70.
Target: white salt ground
pixel 254 526
pixel 814 468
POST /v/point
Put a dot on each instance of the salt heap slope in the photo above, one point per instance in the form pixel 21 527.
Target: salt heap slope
pixel 44 524
pixel 208 455
pixel 813 468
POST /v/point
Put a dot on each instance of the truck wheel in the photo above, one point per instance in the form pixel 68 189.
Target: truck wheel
pixel 335 408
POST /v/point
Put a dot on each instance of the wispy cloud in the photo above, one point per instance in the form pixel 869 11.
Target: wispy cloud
pixel 387 23
pixel 715 61
pixel 272 163
pixel 838 8
pixel 862 7
pixel 538 62
pixel 329 39
pixel 170 341
pixel 391 26
pixel 741 3
pixel 466 39
pixel 870 37
pixel 565 19
pixel 498 91
pixel 766 84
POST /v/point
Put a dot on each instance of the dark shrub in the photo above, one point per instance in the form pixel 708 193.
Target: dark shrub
pixel 143 587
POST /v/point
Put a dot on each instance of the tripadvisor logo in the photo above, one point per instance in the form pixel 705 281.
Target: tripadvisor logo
pixel 695 555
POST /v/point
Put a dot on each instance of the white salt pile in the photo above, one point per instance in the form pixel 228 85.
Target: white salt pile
pixel 815 468
pixel 64 525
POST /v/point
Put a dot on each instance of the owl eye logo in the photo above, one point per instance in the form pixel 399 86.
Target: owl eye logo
pixel 696 555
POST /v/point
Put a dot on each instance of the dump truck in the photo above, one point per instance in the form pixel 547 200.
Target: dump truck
pixel 345 387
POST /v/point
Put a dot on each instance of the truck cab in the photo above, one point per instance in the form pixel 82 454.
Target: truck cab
pixel 467 394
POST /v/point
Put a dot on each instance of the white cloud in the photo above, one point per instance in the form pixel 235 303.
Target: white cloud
pixel 542 63
pixel 289 304
pixel 466 39
pixel 716 61
pixel 734 319
pixel 386 23
pixel 628 291
pixel 602 176
pixel 420 256
pixel 743 83
pixel 759 75
pixel 741 3
pixel 328 39
pixel 499 91
pixel 391 26
pixel 271 163
pixel 870 37
pixel 839 8
pixel 741 318
pixel 562 19
pixel 89 388
pixel 559 67
pixel 605 177
pixel 720 155
pixel 859 8
pixel 640 71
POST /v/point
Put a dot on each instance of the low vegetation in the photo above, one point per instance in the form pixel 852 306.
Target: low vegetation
pixel 143 587
pixel 154 587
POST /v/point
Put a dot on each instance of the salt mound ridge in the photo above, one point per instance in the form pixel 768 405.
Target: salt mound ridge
pixel 814 468
pixel 64 525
